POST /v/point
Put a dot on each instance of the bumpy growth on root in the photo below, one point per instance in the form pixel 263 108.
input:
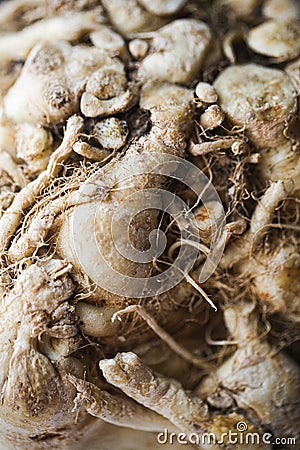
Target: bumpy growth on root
pixel 135 135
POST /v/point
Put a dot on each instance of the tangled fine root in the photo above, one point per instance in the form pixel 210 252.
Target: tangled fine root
pixel 95 99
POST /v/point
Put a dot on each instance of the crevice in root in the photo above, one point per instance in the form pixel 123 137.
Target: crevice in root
pixel 166 337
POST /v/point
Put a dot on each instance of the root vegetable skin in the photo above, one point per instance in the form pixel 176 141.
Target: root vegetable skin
pixel 26 197
pixel 15 46
pixel 34 398
pixel 274 271
pixel 152 390
pixel 107 92
pixel 138 48
pixel 13 170
pixel 258 98
pixel 36 234
pixel 163 8
pixel 276 39
pixel 18 45
pixel 97 321
pixel 206 92
pixel 130 18
pixel 186 411
pixel 212 117
pixel 169 106
pixel 85 90
pixel 54 95
pixel 107 39
pixel 241 9
pixel 35 146
pixel 293 70
pixel 281 9
pixel 262 382
pixel 177 52
pixel 261 217
pixel 111 133
pixel 263 102
pixel 276 278
pixel 90 152
pixel 116 409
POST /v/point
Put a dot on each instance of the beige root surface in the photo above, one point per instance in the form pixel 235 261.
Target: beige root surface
pixel 91 92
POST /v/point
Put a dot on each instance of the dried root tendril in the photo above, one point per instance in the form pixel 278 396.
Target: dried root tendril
pixel 26 197
pixel 166 337
pixel 261 217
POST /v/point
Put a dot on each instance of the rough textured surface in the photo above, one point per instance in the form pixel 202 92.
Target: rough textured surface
pixel 96 97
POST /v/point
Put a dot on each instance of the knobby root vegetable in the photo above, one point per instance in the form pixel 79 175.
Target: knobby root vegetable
pixel 261 382
pixel 254 96
pixel 241 9
pixel 263 101
pixel 177 52
pixel 206 92
pixel 32 391
pixel 26 197
pixel 163 8
pixel 167 397
pixel 212 117
pixel 274 271
pixel 281 9
pixel 169 106
pixel 16 46
pixel 116 409
pixel 276 39
pixel 261 217
pixel 95 100
pixel 138 48
pixel 130 18
pixel 63 28
pixel 54 95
